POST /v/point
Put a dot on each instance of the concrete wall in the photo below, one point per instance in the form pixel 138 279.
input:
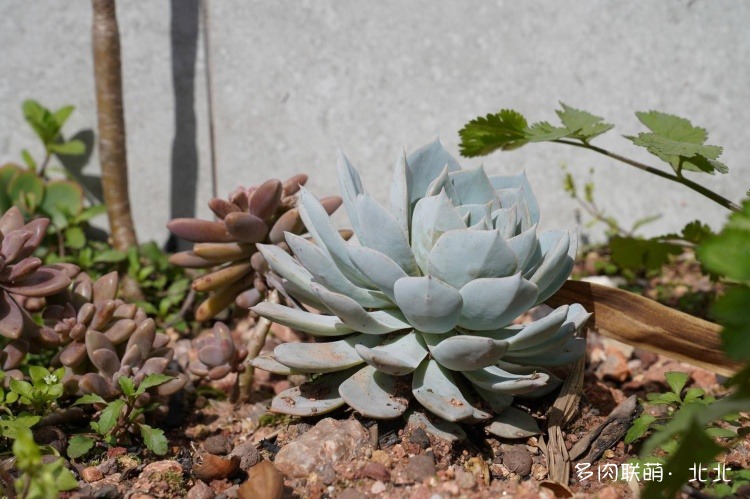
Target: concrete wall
pixel 292 80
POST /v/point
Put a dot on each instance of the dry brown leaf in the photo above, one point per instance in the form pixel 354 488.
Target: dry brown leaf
pixel 644 323
pixel 264 482
pixel 215 467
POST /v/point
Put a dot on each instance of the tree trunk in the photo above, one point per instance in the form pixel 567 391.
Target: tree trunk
pixel 112 152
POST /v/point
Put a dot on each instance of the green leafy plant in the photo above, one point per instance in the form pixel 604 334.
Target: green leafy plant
pixel 38 394
pixel 689 434
pixel 121 418
pixel 38 479
pixel 671 138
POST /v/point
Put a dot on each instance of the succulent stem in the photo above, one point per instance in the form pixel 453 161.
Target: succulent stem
pixel 244 383
pixel 726 203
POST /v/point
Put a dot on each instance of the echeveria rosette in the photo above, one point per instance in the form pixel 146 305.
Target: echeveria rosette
pixel 432 291
pixel 23 275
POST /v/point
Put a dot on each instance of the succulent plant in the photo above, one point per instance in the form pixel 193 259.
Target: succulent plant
pixel 104 338
pixel 259 214
pixel 431 291
pixel 217 354
pixel 24 276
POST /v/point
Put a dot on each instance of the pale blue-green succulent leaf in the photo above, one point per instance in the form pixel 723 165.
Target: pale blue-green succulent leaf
pixel 429 304
pixel 382 233
pixel 397 356
pixel 522 182
pixel 426 164
pixel 400 202
pixel 378 268
pixel 327 273
pixel 524 245
pixel 491 303
pixel 510 197
pixel 443 183
pixel 373 394
pixel 574 320
pixel 434 387
pixel 514 423
pixel 350 186
pixel 465 353
pixel 450 432
pixel 314 324
pixel 286 266
pixel 504 220
pixel 356 317
pixel 483 224
pixel 460 256
pixel 267 362
pixel 327 237
pixel 473 213
pixel 474 187
pixel 565 354
pixel 498 401
pixel 528 335
pixel 554 256
pixel 500 381
pixel 561 273
pixel 316 397
pixel 323 357
pixel 433 216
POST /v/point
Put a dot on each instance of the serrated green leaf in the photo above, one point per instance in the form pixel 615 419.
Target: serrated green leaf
pixel 79 445
pixel 693 394
pixel 127 385
pixel 70 148
pixel 672 127
pixel 151 381
pixel 679 143
pixel 639 428
pixel 676 380
pixel 91 398
pixel 505 130
pixel 154 439
pixel 582 125
pixel 109 416
pixel 726 254
pixel 638 254
pixel 656 144
pixel 544 132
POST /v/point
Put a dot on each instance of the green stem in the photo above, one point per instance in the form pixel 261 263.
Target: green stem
pixel 726 203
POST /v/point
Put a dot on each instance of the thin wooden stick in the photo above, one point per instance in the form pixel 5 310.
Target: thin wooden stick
pixel 644 323
pixel 254 346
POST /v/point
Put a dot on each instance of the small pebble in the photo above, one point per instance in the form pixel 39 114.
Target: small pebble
pixel 328 474
pixel 217 444
pixel 465 480
pixel 248 454
pixel 377 488
pixel 518 460
pixel 91 474
pixel 200 491
pixel 381 457
pixel 376 471
pixel 420 438
pixel 421 467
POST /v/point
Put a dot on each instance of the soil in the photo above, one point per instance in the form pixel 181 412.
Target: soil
pixel 395 460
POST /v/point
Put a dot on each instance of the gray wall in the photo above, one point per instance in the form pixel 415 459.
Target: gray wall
pixel 295 79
